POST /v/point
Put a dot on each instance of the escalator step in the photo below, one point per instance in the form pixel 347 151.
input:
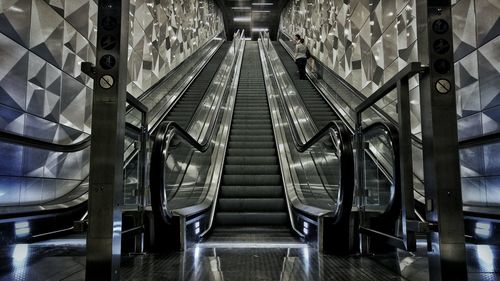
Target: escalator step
pixel 251 205
pixel 251 160
pixel 261 191
pixel 251 218
pixel 246 180
pixel 252 170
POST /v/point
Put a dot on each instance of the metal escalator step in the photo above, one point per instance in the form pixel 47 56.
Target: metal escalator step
pixel 251 152
pixel 251 138
pixel 251 205
pixel 247 180
pixel 251 126
pixel 260 191
pixel 251 192
pixel 254 132
pixel 251 160
pixel 251 218
pixel 251 169
pixel 251 144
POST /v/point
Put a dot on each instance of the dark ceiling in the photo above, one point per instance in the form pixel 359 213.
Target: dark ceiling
pixel 251 15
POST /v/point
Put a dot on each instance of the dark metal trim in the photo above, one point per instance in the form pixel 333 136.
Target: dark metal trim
pixel 388 239
pixel 406 73
pixel 344 149
pixel 477 141
pixel 388 128
pixel 37 143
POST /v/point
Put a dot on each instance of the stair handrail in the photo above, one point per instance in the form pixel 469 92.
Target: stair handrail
pixel 342 140
pixel 165 133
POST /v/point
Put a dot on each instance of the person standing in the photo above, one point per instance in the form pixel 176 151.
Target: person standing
pixel 301 56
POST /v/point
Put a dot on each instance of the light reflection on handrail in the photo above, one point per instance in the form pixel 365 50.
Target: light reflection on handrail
pixel 164 135
pixel 342 140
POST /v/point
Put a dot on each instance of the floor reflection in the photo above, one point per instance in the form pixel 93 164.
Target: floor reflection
pixel 64 259
pixel 201 263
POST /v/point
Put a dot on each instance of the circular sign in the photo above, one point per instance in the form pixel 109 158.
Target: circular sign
pixel 442 66
pixel 440 26
pixel 107 62
pixel 106 81
pixel 109 23
pixel 108 42
pixel 441 46
pixel 443 86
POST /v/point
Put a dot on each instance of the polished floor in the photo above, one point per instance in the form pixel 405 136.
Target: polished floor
pixel 64 259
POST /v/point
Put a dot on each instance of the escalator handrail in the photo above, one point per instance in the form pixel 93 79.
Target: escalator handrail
pixel 358 94
pixel 12 138
pixel 339 127
pixel 176 69
pixel 17 139
pixel 391 131
pixel 341 138
pixel 163 137
pixel 165 133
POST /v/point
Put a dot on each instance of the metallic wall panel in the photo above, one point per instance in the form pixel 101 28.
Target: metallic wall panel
pixel 10 188
pixel 368 41
pixel 43 93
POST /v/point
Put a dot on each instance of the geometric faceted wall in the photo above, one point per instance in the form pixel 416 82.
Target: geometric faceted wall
pixel 164 33
pixel 44 95
pixel 367 41
pixel 476 41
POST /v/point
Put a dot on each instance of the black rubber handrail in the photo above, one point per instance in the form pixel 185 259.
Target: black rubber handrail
pixel 391 131
pixel 358 94
pixel 342 140
pixel 12 138
pixel 164 134
pixel 481 140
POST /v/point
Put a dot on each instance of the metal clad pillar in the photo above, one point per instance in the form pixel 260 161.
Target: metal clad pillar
pixel 108 131
pixel 447 259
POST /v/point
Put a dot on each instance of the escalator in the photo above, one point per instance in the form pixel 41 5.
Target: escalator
pixel 251 193
pixel 185 108
pixel 319 110
pixel 59 221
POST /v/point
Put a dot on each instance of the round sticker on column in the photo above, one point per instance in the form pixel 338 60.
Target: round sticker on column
pixel 443 86
pixel 106 81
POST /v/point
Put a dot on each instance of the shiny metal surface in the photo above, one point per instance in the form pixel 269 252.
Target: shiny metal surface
pixel 310 179
pixel 73 192
pixel 46 95
pixel 344 98
pixel 192 171
pixel 64 259
pixel 106 175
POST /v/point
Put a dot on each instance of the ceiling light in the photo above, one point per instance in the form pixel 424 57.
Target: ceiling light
pixel 260 29
pixel 241 8
pixel 262 4
pixel 242 19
